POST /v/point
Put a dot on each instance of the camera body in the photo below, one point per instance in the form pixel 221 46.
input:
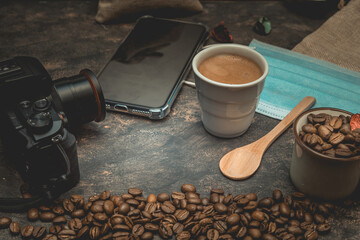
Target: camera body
pixel 36 114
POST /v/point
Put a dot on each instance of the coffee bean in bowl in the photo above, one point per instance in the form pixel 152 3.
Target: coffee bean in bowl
pixel 326 155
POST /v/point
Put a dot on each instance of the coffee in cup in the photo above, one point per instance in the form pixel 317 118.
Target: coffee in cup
pixel 230 69
pixel 227 101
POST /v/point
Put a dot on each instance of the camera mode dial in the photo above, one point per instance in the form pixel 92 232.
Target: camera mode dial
pixel 40 122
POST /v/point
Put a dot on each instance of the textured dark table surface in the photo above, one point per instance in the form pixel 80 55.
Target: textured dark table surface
pixel 157 156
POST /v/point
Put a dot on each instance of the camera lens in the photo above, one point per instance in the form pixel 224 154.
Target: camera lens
pixel 80 97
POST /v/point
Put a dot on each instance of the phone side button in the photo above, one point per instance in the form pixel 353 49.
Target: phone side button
pixel 121 108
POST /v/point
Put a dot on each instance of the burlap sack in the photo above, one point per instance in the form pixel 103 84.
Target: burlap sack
pixel 337 40
pixel 109 10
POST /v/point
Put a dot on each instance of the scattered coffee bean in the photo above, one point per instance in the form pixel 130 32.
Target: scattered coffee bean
pixel 39 232
pixel 188 188
pixel 184 215
pixel 14 228
pixel 27 231
pixel 135 191
pixel 5 222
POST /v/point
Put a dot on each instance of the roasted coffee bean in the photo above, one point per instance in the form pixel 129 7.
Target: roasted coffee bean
pixel 221 226
pixel 109 207
pixel 59 220
pixel 188 188
pixel 75 224
pixel 14 228
pixel 97 208
pixel 252 205
pixel 147 236
pixel 135 191
pixel 243 202
pixel 219 191
pixel 191 195
pixel 47 216
pixel 191 207
pixel 181 214
pixel 138 229
pixel 193 200
pixel 121 227
pixel 33 214
pixel 311 235
pixel 213 234
pixel 323 228
pixel 336 138
pixel 58 210
pixel 68 205
pixel 205 201
pixel 241 233
pixel 78 213
pixel 83 232
pixel 124 208
pixel 185 235
pixel 177 195
pixel 50 237
pixel 251 196
pixel 152 198
pixel 220 207
pixel 26 231
pixel 67 234
pixel 162 197
pixel 105 195
pixel 325 131
pixel 101 217
pixel 214 198
pixel 39 232
pixel 309 128
pixel 335 122
pixel 284 209
pixel 127 196
pixel 268 236
pixel 272 227
pixel 133 202
pixel 254 233
pixel 266 202
pixel 183 203
pixel 168 207
pixel 277 195
pixel 151 227
pixel 178 228
pixel 295 230
pixel 233 219
pixel 228 199
pixel 121 235
pixel 55 229
pixel 258 216
pixel 94 232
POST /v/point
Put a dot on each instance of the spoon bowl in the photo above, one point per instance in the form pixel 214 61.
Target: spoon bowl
pixel 243 162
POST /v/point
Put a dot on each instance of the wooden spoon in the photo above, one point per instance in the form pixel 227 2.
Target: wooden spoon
pixel 242 162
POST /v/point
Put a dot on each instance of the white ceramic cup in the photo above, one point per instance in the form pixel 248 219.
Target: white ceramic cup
pixel 227 110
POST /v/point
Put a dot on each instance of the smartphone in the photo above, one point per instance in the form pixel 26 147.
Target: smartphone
pixel 147 71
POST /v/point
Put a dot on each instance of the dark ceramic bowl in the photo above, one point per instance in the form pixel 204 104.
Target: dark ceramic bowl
pixel 319 175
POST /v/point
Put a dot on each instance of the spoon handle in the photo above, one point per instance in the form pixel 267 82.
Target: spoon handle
pixel 270 137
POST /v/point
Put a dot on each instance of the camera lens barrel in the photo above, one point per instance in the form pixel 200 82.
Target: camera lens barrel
pixel 80 97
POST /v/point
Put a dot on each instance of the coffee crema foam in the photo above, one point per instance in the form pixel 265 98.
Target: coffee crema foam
pixel 230 69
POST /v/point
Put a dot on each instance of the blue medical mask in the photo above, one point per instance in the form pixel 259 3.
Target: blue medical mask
pixel 292 76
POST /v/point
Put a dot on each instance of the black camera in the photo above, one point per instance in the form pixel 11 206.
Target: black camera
pixel 36 114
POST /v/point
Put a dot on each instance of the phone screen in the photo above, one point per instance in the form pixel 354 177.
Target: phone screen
pixel 149 62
